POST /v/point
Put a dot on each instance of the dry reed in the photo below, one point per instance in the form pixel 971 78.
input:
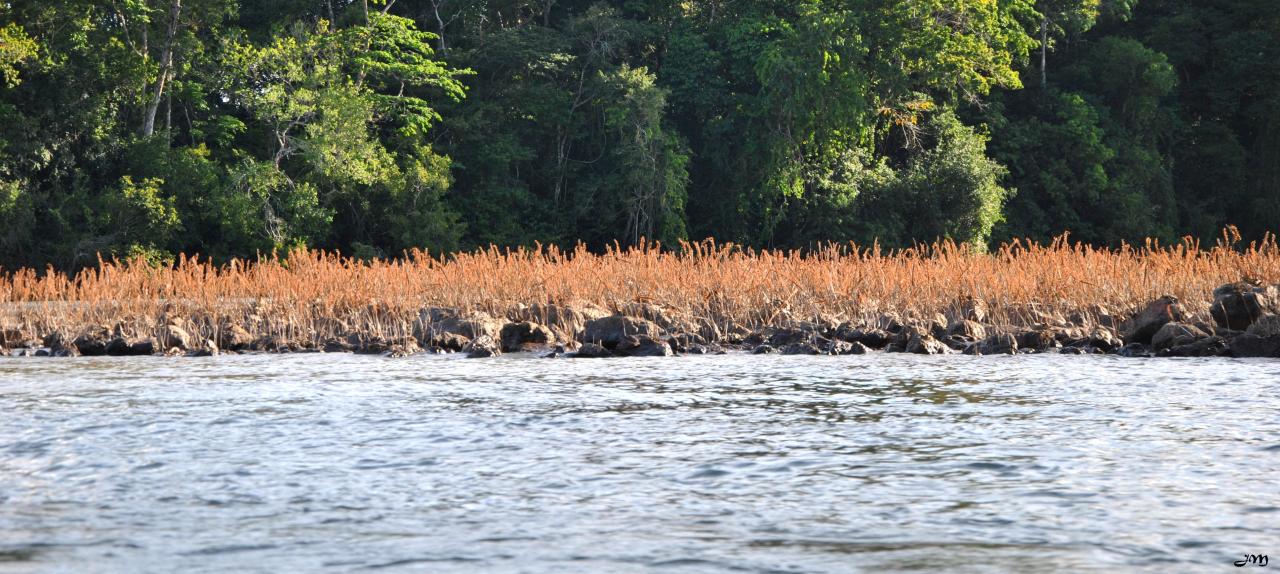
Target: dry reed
pixel 312 296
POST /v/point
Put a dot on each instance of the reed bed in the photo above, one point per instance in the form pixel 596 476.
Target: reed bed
pixel 312 295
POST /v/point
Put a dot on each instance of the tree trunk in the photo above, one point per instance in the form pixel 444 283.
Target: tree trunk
pixel 1044 51
pixel 166 70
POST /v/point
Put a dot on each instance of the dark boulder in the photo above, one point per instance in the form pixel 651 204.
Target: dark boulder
pixel 805 348
pixel 93 343
pixel 609 332
pixel 872 338
pixel 448 342
pixel 851 348
pixel 274 344
pixel 234 337
pixel 434 323
pixel 482 347
pixel 967 329
pixel 403 347
pixel 592 351
pixel 1104 340
pixel 687 343
pixel 1206 347
pixel 1001 344
pixel 175 337
pixel 763 350
pixel 1255 346
pixel 785 337
pixel 957 343
pixel 922 344
pixel 338 346
pixel 60 346
pixel 368 344
pixel 838 347
pixel 1176 334
pixel 1237 305
pixel 1144 325
pixel 122 347
pixel 643 346
pixel 1037 340
pixel 1265 326
pixel 524 336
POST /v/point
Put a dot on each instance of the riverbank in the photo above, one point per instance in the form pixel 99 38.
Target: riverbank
pixel 704 298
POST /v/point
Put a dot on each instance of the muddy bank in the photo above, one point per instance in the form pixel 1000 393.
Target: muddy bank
pixel 1243 321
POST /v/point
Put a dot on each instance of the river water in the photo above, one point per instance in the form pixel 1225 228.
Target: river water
pixel 736 463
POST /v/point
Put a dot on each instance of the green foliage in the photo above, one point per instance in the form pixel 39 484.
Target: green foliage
pixel 235 127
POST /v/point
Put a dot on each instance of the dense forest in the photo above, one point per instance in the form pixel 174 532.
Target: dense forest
pixel 237 127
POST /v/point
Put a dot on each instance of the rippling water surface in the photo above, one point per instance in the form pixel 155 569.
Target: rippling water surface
pixel 700 464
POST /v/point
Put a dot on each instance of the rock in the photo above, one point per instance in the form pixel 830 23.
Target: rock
pixel 564 320
pixel 175 337
pixel 1134 350
pixel 1175 334
pixel 234 337
pixel 450 342
pixel 850 348
pixel 643 346
pixel 763 350
pixel 524 336
pixel 703 350
pixel 1072 351
pixel 482 347
pixel 925 345
pixel 967 329
pixel 1003 344
pixel 556 352
pixel 1037 340
pixel 784 337
pixel 1237 305
pixel 1143 326
pixel 838 347
pixel 403 347
pixel 273 344
pixel 121 347
pixel 338 346
pixel 938 326
pixel 1104 340
pixel 686 342
pixel 957 343
pixel 1247 345
pixel 92 344
pixel 610 331
pixel 871 338
pixel 890 322
pixel 592 351
pixel 1267 325
pixel 1207 347
pixel 433 323
pixel 804 348
pixel 368 344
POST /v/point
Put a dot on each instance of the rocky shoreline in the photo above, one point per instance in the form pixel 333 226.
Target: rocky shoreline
pixel 1244 321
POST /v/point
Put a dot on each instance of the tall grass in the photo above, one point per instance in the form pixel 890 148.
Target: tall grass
pixel 309 296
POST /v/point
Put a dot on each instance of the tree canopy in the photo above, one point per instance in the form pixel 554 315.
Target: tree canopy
pixel 232 128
